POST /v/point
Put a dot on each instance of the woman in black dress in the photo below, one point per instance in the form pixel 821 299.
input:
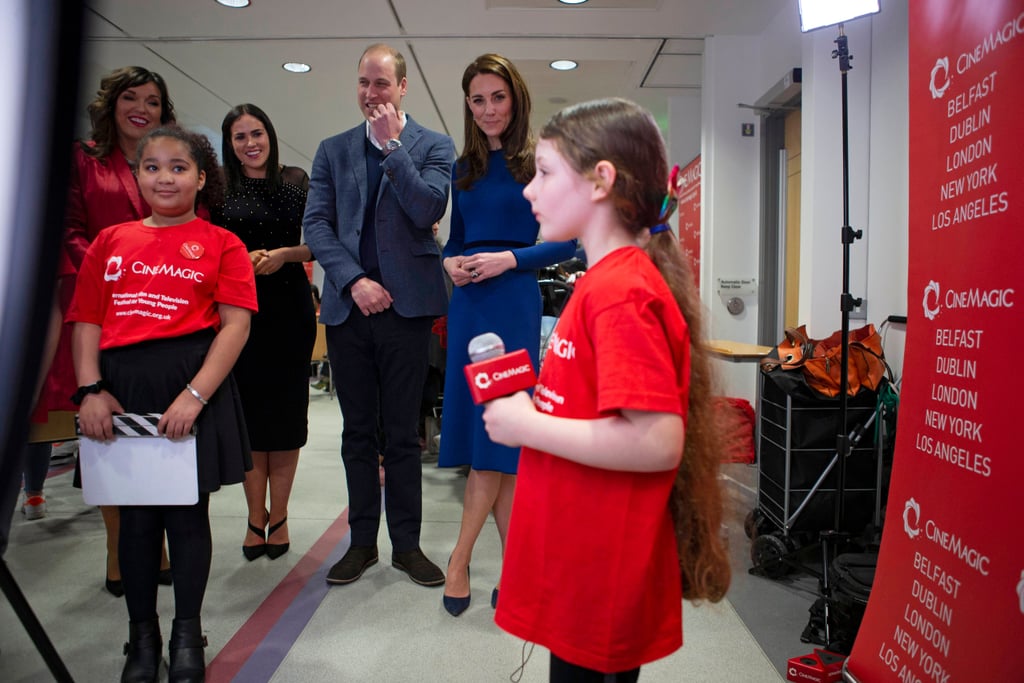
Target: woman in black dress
pixel 264 206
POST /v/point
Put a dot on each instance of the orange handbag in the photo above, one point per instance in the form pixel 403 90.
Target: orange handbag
pixel 819 360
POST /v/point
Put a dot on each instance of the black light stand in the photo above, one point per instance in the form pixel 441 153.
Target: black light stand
pixel 831 538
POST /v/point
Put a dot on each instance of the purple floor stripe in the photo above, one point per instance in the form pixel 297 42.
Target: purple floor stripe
pixel 265 660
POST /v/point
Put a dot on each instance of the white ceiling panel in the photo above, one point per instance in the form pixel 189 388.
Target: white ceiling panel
pixel 215 57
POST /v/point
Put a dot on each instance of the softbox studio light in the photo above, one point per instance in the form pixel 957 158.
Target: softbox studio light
pixel 821 13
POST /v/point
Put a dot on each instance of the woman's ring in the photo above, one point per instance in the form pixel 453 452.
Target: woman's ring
pixel 474 274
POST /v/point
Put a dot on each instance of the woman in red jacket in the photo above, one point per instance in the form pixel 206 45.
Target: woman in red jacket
pixel 131 101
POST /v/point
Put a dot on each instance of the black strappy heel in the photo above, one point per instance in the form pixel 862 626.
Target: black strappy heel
pixel 276 550
pixel 251 552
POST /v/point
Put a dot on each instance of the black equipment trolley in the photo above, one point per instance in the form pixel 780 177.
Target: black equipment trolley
pixel 797 470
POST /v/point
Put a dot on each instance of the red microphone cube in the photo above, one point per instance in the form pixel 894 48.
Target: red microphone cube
pixel 501 376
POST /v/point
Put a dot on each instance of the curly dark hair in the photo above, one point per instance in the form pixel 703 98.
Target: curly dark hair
pixel 101 109
pixel 517 141
pixel 202 153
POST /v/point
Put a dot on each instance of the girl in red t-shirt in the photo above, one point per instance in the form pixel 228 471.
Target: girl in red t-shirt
pixel 617 507
pixel 161 312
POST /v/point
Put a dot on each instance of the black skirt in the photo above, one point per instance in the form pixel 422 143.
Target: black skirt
pixel 147 377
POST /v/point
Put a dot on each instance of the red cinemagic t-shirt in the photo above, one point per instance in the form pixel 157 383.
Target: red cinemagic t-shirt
pixel 139 282
pixel 591 569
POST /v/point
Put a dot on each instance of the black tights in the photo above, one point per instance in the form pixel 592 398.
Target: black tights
pixel 564 672
pixel 190 548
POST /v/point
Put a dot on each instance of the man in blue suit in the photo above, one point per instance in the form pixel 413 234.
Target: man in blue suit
pixel 374 194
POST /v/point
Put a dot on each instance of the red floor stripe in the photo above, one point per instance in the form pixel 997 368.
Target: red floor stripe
pixel 233 656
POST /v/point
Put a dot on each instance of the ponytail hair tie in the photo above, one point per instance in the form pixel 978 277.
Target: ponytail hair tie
pixel 660 227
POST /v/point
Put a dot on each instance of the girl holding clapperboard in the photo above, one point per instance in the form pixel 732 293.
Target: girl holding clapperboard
pixel 161 312
pixel 617 509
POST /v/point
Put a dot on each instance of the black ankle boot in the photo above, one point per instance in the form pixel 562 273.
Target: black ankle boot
pixel 143 648
pixel 186 650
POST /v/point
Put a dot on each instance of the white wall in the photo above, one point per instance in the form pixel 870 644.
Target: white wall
pixel 741 69
pixel 730 203
pixel 889 172
pixel 684 125
pixel 821 210
pixel 878 143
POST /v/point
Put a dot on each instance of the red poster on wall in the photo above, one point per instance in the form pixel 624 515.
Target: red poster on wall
pixel 689 215
pixel 947 603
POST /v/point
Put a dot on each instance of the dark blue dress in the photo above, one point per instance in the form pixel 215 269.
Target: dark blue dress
pixel 492 216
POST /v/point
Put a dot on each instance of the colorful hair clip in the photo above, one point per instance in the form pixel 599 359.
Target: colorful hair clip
pixel 671 201
pixel 660 227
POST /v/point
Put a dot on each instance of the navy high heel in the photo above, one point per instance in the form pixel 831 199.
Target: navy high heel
pixel 456 606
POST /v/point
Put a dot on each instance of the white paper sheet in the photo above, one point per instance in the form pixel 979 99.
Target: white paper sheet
pixel 134 470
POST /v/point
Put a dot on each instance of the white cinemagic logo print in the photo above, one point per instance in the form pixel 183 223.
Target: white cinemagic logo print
pixel 935 300
pixel 948 540
pixel 931 300
pixel 911 510
pixel 113 271
pixel 939 82
pixel 482 380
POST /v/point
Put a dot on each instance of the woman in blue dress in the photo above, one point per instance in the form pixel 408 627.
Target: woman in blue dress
pixel 492 257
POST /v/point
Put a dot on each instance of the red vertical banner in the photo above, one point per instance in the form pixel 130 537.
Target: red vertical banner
pixel 689 215
pixel 948 598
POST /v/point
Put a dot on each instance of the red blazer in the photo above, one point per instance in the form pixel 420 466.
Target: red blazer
pixel 102 192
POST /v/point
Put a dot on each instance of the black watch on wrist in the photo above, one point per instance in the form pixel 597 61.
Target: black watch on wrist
pixel 392 144
pixel 94 388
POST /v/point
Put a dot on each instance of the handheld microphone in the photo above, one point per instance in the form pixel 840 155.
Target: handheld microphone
pixel 492 373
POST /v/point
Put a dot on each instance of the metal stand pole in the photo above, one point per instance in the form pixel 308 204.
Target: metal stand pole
pixel 35 630
pixel 846 304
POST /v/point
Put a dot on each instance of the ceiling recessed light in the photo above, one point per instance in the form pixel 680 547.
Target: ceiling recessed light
pixel 296 67
pixel 563 65
pixel 233 3
pixel 572 2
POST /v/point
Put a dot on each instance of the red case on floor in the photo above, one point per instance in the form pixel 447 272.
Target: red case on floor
pixel 821 666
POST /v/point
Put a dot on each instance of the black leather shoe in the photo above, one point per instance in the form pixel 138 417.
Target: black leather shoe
pixel 418 567
pixel 350 567
pixel 115 588
pixel 143 649
pixel 186 650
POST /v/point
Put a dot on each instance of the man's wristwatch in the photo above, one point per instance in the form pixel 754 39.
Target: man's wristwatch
pixel 94 388
pixel 392 144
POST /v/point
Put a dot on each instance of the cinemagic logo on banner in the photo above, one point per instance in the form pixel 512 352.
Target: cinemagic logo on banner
pixel 940 79
pixel 935 299
pixel 920 528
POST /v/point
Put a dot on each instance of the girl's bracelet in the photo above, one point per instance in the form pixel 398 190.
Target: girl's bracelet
pixel 199 397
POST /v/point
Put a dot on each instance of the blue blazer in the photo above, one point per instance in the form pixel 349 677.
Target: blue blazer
pixel 413 195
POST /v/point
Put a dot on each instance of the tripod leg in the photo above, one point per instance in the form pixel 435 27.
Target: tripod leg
pixel 32 626
pixel 826 591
